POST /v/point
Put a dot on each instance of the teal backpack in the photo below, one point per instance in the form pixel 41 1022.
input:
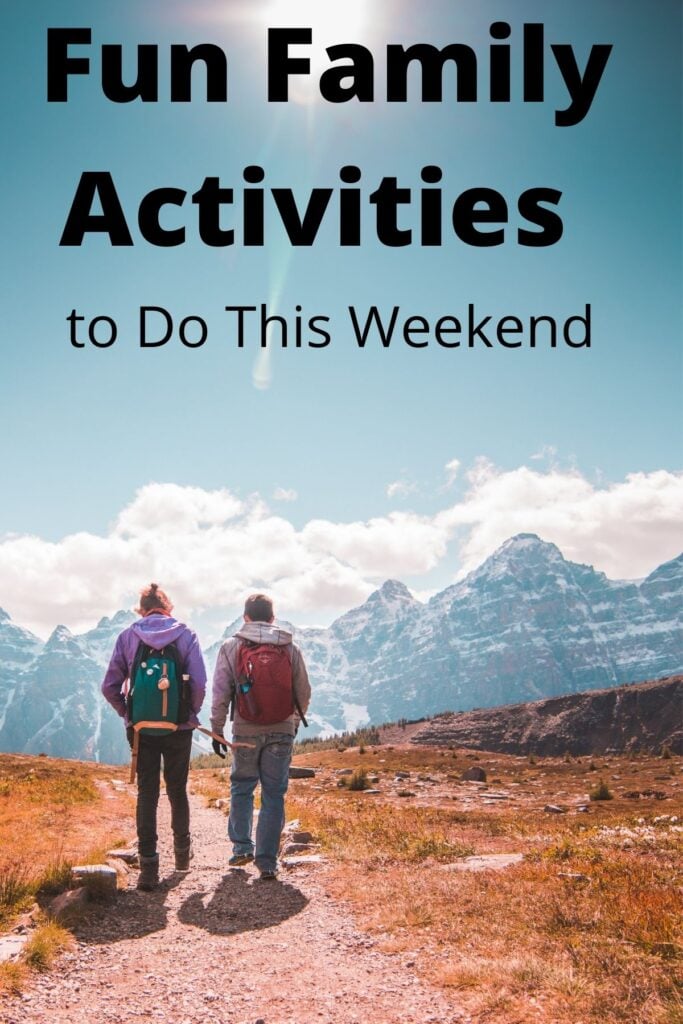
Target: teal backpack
pixel 159 692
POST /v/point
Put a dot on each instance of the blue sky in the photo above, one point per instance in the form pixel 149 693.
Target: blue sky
pixel 84 430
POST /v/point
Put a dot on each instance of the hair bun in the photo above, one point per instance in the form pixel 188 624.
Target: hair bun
pixel 154 587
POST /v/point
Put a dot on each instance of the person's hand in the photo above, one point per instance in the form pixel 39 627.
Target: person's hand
pixel 130 735
pixel 219 748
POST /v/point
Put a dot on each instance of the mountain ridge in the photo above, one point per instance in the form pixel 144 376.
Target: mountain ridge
pixel 637 716
pixel 526 624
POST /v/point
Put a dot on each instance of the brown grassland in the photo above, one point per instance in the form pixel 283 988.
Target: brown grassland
pixel 585 929
pixel 53 814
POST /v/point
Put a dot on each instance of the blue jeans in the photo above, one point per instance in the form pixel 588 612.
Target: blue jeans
pixel 266 761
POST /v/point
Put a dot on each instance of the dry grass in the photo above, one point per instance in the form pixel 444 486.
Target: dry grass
pixel 13 976
pixel 365 833
pixel 587 928
pixel 208 780
pixel 53 814
pixel 46 943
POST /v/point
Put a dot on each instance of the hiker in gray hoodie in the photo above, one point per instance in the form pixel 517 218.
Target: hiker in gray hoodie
pixel 258 695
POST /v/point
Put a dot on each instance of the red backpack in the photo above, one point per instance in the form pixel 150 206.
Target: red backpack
pixel 264 692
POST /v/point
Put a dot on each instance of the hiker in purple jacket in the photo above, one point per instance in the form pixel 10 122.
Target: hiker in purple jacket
pixel 157 628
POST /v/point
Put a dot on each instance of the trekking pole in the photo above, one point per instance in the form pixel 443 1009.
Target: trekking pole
pixel 171 726
pixel 221 739
pixel 134 758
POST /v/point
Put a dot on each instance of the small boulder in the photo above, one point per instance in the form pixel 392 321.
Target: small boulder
pixel 294 862
pixel 474 774
pixel 301 837
pixel 100 880
pixel 68 907
pixel 120 868
pixel 11 946
pixel 290 848
pixel 128 856
pixel 301 773
pixel 554 809
pixel 402 775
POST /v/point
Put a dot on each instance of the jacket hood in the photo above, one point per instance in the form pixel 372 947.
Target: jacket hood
pixel 264 633
pixel 158 630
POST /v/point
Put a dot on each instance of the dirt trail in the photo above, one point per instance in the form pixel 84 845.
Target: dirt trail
pixel 221 946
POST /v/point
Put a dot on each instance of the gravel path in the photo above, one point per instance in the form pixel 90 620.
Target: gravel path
pixel 221 946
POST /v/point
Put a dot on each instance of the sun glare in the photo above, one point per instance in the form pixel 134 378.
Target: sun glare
pixel 330 22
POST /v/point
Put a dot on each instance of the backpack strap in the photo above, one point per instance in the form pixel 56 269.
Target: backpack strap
pixel 140 655
pixel 296 699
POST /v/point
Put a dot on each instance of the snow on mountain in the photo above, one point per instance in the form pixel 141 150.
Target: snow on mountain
pixel 526 624
pixel 18 649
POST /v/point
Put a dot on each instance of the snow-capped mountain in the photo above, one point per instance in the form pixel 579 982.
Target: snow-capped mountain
pixel 525 625
pixel 55 705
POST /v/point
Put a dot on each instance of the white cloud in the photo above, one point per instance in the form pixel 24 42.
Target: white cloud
pixel 547 453
pixel 401 489
pixel 625 529
pixel 209 548
pixel 400 543
pixel 451 469
pixel 285 494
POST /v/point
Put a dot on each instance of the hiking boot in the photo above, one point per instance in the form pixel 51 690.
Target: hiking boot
pixel 148 878
pixel 268 876
pixel 239 859
pixel 183 856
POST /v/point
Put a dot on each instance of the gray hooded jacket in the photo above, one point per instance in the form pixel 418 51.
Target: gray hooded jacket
pixel 225 677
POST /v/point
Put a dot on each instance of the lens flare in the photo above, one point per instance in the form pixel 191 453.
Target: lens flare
pixel 330 22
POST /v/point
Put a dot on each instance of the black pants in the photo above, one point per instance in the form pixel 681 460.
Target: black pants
pixel 175 750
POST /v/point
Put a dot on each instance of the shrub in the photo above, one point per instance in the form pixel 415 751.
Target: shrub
pixel 359 780
pixel 366 736
pixel 44 945
pixel 12 977
pixel 56 877
pixel 16 890
pixel 601 791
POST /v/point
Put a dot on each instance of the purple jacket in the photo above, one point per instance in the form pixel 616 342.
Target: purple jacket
pixel 157 631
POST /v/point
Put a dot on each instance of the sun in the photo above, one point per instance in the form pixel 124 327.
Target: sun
pixel 346 21
pixel 340 22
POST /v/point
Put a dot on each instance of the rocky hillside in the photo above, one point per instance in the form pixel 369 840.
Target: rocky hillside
pixel 645 716
pixel 525 625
